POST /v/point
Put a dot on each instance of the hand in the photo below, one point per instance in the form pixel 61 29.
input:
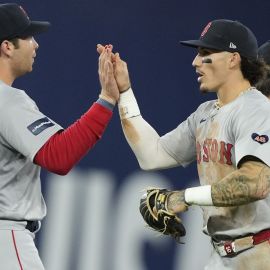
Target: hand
pixel 109 91
pixel 120 69
pixel 176 202
pixel 101 48
pixel 121 73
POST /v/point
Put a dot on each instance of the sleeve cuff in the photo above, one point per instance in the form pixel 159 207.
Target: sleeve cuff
pixel 105 104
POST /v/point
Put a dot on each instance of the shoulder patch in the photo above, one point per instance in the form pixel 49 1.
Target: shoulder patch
pixel 261 139
pixel 40 125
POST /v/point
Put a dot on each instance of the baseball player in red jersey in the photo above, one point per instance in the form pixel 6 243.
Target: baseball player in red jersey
pixel 30 140
pixel 229 139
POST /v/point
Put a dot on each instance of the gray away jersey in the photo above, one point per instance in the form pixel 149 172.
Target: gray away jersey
pixel 23 131
pixel 218 139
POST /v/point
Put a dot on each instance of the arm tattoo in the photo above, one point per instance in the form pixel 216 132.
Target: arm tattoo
pixel 263 187
pixel 242 187
pixel 236 190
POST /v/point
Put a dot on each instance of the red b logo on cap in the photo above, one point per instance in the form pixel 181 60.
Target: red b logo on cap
pixel 206 29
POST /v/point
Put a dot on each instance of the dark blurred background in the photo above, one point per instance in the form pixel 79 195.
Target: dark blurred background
pixel 93 220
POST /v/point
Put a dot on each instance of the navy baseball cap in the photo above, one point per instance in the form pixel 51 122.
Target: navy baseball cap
pixel 227 35
pixel 14 22
pixel 264 52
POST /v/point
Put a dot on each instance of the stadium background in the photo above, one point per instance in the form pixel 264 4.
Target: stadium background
pixel 93 220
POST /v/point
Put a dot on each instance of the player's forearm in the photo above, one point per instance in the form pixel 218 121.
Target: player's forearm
pixel 145 143
pixel 250 183
pixel 246 185
pixel 142 138
pixel 63 150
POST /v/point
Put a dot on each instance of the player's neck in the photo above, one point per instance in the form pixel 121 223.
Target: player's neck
pixel 6 76
pixel 228 93
pixel 6 80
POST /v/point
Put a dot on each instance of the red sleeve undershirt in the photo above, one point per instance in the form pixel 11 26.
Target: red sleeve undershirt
pixel 65 148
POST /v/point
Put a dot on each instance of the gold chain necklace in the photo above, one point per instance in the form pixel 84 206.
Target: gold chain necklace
pixel 217 103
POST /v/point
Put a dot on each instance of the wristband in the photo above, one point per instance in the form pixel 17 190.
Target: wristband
pixel 199 196
pixel 108 99
pixel 127 105
pixel 105 103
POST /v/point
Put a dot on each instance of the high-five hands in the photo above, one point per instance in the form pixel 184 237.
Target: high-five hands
pixel 120 69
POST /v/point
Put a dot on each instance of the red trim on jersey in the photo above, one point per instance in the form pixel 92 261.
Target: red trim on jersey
pixel 15 246
pixel 65 148
pixel 261 236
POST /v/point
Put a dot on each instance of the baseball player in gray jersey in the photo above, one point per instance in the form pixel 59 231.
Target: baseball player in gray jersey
pixel 30 140
pixel 229 139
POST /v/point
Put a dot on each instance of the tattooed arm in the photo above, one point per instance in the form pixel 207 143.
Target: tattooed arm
pixel 251 182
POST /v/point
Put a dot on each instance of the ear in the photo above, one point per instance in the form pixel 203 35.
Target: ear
pixel 7 48
pixel 235 60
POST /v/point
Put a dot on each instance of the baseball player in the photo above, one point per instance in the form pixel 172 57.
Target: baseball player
pixel 229 139
pixel 264 84
pixel 30 140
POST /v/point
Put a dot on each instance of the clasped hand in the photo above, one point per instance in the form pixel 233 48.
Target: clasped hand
pixel 113 74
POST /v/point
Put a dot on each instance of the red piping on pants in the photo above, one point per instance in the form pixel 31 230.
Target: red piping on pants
pixel 15 246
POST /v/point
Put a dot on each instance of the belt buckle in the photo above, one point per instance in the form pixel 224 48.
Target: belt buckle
pixel 231 248
pixel 225 248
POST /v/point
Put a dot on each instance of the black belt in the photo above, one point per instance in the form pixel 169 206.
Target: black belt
pixel 32 225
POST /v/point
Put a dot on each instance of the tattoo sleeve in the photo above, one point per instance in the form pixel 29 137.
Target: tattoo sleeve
pixel 249 183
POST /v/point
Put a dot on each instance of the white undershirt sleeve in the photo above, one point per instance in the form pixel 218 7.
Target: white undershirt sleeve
pixel 142 138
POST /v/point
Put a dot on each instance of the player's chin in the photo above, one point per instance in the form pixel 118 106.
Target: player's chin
pixel 23 72
pixel 204 89
pixel 27 71
pixel 30 69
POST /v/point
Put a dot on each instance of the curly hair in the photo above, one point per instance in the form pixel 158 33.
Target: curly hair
pixel 254 70
pixel 264 85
